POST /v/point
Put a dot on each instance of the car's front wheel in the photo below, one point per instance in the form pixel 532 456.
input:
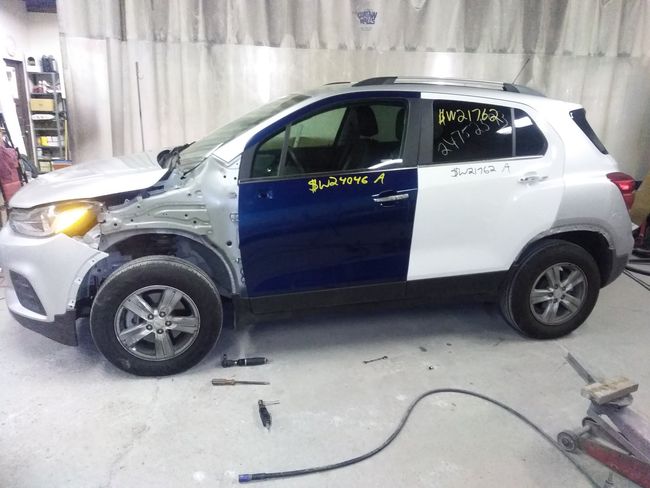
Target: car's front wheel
pixel 553 290
pixel 156 316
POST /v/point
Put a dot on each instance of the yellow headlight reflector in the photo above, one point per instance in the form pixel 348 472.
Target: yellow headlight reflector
pixel 74 221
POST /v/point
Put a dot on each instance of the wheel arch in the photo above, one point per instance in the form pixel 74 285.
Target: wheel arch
pixel 595 240
pixel 123 247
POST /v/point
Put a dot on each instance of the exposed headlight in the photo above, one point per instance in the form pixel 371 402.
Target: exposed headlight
pixel 71 219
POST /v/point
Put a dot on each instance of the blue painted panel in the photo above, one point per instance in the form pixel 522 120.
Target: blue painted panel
pixel 312 233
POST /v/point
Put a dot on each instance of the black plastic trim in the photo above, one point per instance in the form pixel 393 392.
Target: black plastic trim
pixel 483 286
pixel 62 329
pixel 25 293
pixel 618 264
pixel 326 298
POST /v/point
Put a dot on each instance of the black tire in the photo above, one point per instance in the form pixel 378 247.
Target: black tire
pixel 154 271
pixel 515 298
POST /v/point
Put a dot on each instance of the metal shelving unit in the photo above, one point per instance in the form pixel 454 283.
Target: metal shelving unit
pixel 50 134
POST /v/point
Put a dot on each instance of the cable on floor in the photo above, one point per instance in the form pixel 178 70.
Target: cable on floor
pixel 635 269
pixel 644 260
pixel 637 279
pixel 245 478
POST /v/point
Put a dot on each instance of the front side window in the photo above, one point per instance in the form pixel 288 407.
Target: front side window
pixel 468 131
pixel 345 138
pixel 199 150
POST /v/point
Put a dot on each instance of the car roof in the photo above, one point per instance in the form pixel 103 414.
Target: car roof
pixel 443 86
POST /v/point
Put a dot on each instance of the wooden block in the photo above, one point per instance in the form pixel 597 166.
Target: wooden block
pixel 609 390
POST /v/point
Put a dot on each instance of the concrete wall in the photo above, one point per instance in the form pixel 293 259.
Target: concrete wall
pixel 13 29
pixel 13 40
pixel 25 33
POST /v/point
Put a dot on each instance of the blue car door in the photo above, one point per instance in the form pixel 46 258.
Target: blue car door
pixel 327 201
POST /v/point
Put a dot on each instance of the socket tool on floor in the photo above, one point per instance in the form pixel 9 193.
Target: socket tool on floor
pixel 227 363
pixel 612 432
pixel 265 415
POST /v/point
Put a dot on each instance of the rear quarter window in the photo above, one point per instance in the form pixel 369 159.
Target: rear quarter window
pixel 580 118
pixel 529 140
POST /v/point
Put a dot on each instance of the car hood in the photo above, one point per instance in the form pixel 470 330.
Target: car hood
pixel 90 180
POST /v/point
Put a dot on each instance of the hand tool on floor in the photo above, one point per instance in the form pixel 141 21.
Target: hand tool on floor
pixel 225 381
pixel 612 432
pixel 376 359
pixel 227 363
pixel 265 416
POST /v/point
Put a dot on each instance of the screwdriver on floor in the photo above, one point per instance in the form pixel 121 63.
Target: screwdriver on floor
pixel 225 381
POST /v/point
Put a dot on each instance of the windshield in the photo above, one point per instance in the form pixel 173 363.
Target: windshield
pixel 200 149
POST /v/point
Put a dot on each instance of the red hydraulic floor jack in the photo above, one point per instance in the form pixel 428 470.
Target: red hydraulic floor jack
pixel 612 432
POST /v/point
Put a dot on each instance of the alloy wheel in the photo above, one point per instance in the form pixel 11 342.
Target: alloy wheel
pixel 157 323
pixel 558 293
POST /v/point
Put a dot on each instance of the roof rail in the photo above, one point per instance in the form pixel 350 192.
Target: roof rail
pixel 494 85
pixel 382 80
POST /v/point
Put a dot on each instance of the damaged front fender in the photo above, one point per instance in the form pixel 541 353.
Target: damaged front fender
pixel 201 207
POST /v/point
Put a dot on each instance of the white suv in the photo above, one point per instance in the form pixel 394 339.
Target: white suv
pixel 381 190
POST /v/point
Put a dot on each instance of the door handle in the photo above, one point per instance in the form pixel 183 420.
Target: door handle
pixel 532 178
pixel 391 198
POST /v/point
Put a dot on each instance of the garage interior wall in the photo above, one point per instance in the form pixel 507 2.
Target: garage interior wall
pixel 24 34
pixel 204 62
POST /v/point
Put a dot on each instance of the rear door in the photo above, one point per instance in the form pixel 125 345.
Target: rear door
pixel 493 181
pixel 327 201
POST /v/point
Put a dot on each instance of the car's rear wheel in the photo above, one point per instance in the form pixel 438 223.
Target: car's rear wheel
pixel 156 316
pixel 552 291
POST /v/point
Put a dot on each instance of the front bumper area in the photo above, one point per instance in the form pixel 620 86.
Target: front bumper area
pixel 54 267
pixel 62 329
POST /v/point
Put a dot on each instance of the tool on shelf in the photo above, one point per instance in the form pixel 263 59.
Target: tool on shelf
pixel 229 382
pixel 265 416
pixel 227 363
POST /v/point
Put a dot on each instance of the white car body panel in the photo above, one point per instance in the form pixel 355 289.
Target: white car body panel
pixel 90 180
pixel 41 259
pixel 476 217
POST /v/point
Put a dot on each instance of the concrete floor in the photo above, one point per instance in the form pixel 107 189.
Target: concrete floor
pixel 70 419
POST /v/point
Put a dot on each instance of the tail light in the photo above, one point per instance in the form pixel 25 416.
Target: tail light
pixel 626 184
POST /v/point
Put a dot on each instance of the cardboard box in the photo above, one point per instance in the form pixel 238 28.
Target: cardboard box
pixel 45 166
pixel 60 164
pixel 41 104
pixel 48 141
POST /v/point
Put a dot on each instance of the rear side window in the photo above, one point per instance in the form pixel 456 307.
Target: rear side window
pixel 467 131
pixel 580 118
